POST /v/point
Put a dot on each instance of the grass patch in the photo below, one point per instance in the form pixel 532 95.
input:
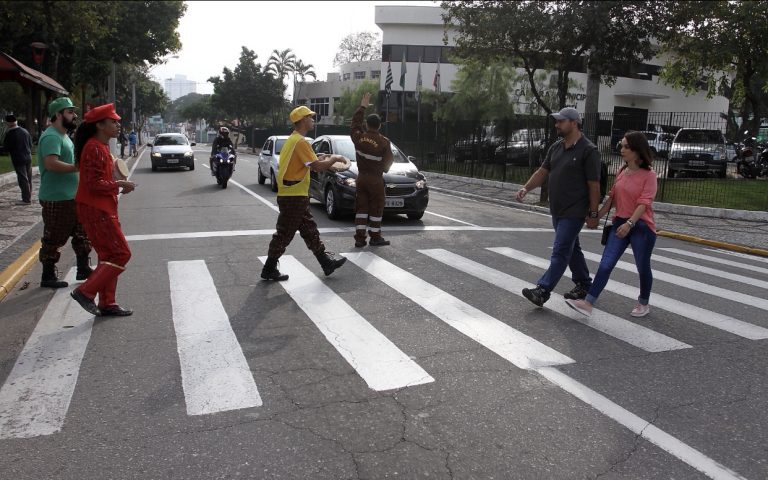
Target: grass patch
pixel 739 194
pixel 6 165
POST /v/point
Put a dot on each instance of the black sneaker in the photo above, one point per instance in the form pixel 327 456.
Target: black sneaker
pixel 579 292
pixel 537 295
pixel 329 262
pixel 378 242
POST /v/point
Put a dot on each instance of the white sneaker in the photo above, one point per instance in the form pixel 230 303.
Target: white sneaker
pixel 640 310
pixel 580 306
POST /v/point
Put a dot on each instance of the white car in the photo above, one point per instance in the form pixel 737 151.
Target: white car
pixel 269 158
pixel 171 150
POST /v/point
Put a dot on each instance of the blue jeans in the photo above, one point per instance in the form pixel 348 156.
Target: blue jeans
pixel 566 252
pixel 642 240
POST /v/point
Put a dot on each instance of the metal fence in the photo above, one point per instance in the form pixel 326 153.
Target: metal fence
pixel 511 150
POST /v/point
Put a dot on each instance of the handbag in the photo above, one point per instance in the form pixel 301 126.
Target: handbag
pixel 606 228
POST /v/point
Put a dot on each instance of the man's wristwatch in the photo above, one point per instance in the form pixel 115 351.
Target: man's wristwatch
pixel 592 214
pixel 630 223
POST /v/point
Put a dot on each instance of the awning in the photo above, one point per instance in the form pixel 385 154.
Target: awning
pixel 12 70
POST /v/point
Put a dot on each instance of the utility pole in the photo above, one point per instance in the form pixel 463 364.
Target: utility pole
pixel 112 94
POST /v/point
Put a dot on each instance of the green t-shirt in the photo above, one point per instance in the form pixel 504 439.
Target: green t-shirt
pixel 55 186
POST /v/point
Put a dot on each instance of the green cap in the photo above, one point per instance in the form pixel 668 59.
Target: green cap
pixel 58 105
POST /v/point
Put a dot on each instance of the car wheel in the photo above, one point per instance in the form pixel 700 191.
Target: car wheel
pixel 273 180
pixel 331 207
pixel 415 216
pixel 192 166
pixel 154 167
pixel 224 183
pixel 261 177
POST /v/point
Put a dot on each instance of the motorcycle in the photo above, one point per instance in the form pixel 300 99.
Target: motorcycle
pixel 224 165
pixel 747 165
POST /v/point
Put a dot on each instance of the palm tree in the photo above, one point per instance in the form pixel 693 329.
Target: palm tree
pixel 281 64
pixel 302 71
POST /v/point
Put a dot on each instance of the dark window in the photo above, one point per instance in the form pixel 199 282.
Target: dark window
pixel 396 54
pixel 345 77
pixel 320 106
pixel 431 54
pixel 375 74
pixel 359 75
pixel 415 52
pixel 325 147
pixel 280 143
pixel 267 146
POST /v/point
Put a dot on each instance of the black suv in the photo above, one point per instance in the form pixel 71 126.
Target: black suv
pixel 698 150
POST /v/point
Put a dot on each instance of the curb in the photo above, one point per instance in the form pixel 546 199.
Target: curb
pixel 662 233
pixel 11 275
pixel 10 177
pixel 661 207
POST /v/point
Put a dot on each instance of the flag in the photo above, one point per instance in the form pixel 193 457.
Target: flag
pixel 418 82
pixel 402 72
pixel 436 81
pixel 388 81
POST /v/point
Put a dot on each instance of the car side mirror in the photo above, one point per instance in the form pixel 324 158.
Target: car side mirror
pixel 149 144
pixel 193 144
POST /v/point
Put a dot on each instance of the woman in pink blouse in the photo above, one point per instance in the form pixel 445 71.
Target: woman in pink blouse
pixel 632 196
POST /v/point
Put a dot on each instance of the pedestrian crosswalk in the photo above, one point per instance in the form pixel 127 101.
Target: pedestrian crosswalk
pixel 216 376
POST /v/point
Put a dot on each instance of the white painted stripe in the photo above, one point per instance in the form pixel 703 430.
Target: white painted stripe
pixel 709 271
pixel 691 312
pixel 510 344
pixel 360 227
pixel 376 359
pixel 450 218
pixel 409 228
pixel 361 215
pixel 638 426
pixel 735 296
pixel 35 397
pixel 375 219
pixel 214 373
pixel 624 330
pixel 252 193
pixel 375 230
pixel 722 261
pixel 739 254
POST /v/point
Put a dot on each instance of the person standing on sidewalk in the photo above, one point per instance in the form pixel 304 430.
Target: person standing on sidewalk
pixel 374 157
pixel 133 141
pixel 58 185
pixel 573 167
pixel 122 140
pixel 296 160
pixel 18 144
pixel 97 210
pixel 633 193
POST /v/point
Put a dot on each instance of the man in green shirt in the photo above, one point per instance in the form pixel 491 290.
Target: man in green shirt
pixel 58 185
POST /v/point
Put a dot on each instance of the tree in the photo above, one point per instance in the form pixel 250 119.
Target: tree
pixel 281 63
pixel 721 47
pixel 350 98
pixel 248 91
pixel 559 36
pixel 358 47
pixel 301 71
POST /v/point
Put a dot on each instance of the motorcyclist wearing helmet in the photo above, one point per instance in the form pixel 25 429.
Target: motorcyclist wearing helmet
pixel 222 140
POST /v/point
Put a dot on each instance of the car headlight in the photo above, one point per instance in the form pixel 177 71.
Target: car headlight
pixel 156 155
pixel 188 154
pixel 421 184
pixel 346 181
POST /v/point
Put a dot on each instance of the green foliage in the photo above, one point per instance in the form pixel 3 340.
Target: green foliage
pixel 350 100
pixel 560 36
pixel 722 48
pixel 246 92
pixel 13 99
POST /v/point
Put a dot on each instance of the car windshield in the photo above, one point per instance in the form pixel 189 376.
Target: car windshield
pixel 699 136
pixel 347 148
pixel 171 140
pixel 279 145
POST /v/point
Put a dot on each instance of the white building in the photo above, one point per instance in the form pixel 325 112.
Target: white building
pixel 418 32
pixel 322 96
pixel 178 86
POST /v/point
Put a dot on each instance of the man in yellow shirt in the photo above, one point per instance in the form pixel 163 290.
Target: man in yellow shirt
pixel 296 160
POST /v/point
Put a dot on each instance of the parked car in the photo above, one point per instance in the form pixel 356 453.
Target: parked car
pixel 517 150
pixel 171 150
pixel 698 150
pixel 479 146
pixel 406 187
pixel 659 142
pixel 269 158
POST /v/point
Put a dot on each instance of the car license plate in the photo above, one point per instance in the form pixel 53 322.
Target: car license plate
pixel 697 163
pixel 172 160
pixel 394 202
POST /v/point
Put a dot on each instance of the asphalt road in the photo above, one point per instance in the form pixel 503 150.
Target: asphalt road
pixel 417 360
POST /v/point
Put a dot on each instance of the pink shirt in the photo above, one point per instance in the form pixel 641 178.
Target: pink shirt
pixel 632 189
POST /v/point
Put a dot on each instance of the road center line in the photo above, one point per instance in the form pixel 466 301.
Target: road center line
pixel 35 397
pixel 214 372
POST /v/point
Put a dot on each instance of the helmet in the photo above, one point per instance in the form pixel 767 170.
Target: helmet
pixel 224 130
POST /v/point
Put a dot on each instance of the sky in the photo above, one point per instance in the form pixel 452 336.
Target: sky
pixel 212 34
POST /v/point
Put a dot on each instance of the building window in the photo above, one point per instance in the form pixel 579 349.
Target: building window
pixel 428 54
pixel 345 77
pixel 320 105
pixel 359 75
pixel 375 74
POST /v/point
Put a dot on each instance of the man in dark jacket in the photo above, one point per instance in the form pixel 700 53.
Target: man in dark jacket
pixel 374 157
pixel 222 140
pixel 18 144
